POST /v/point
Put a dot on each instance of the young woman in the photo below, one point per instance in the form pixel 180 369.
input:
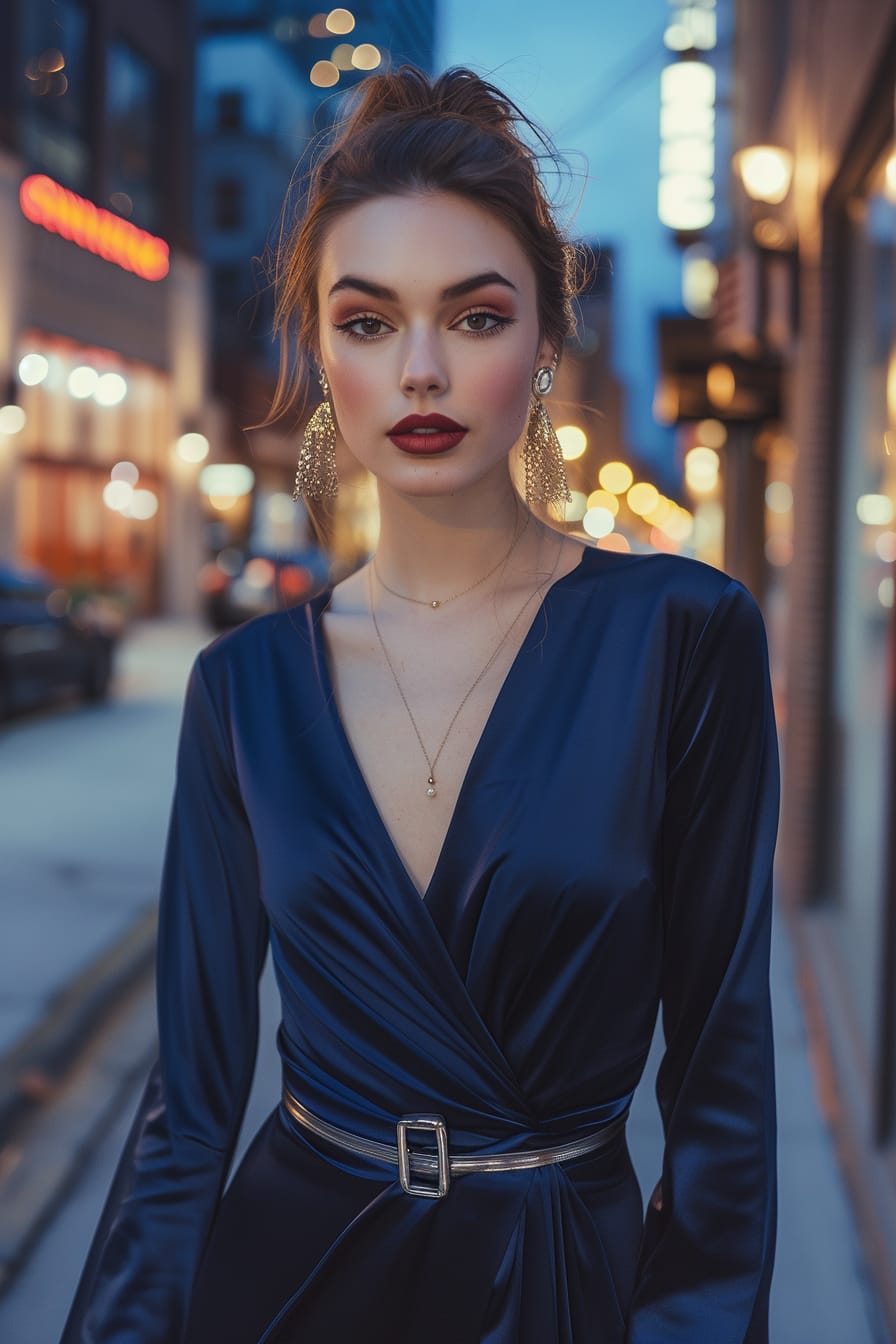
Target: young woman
pixel 493 800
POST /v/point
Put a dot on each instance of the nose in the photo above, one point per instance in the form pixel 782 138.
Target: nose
pixel 424 367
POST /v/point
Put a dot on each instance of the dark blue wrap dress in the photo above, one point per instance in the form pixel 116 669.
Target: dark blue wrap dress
pixel 610 854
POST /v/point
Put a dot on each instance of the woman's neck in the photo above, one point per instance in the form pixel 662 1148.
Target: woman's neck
pixel 428 548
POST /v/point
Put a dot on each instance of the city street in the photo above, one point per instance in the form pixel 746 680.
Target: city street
pixel 237 243
pixel 87 830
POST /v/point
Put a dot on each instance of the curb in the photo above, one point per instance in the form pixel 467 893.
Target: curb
pixel 34 1068
pixel 56 1147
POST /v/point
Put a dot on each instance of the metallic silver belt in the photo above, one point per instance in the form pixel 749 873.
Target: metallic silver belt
pixel 440 1164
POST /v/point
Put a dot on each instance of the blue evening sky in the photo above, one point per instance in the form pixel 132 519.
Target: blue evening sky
pixel 589 71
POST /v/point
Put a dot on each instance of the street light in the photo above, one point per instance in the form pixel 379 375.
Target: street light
pixel 766 172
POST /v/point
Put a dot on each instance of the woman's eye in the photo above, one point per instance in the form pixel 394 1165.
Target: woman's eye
pixel 477 323
pixel 370 326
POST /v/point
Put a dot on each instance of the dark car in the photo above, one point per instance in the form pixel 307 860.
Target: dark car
pixel 49 643
pixel 237 584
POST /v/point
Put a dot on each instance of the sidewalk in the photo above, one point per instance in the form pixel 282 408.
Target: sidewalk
pixel 78 924
pixel 821 1288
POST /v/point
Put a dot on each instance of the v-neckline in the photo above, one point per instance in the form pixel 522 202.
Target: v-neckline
pixel 319 604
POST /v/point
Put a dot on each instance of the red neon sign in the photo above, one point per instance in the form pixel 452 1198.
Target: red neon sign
pixel 50 205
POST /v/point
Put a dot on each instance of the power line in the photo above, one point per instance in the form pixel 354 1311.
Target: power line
pixel 652 51
pixel 635 63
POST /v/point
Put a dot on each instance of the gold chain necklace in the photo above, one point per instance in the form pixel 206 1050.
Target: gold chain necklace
pixel 431 783
pixel 423 602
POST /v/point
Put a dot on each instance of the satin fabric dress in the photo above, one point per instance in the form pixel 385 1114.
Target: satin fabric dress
pixel 609 857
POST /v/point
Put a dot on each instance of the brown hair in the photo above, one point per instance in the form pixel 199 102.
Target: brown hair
pixel 409 132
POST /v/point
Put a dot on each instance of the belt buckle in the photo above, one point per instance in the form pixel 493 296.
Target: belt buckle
pixel 434 1124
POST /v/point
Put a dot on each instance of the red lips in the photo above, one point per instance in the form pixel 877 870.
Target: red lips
pixel 411 422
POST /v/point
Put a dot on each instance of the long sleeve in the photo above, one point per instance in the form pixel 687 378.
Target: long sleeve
pixel 136 1284
pixel 708 1244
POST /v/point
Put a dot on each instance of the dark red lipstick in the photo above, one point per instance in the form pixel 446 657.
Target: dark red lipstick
pixel 426 434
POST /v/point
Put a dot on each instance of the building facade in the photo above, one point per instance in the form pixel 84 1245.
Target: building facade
pixel 815 260
pixel 103 316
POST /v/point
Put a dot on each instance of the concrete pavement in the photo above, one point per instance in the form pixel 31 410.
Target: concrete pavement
pixel 61 869
pixel 81 835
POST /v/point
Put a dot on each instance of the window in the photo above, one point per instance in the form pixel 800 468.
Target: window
pixel 134 115
pixel 227 287
pixel 864 586
pixel 228 204
pixel 230 110
pixel 53 90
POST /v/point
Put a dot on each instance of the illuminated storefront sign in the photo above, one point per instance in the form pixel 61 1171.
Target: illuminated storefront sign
pixel 692 26
pixel 687 152
pixel 50 205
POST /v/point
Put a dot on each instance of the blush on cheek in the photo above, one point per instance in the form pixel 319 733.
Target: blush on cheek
pixel 358 399
pixel 498 392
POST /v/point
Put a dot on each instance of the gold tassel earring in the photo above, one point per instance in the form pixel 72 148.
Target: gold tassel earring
pixel 546 481
pixel 316 476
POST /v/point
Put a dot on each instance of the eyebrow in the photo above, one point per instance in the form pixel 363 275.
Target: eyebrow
pixel 452 292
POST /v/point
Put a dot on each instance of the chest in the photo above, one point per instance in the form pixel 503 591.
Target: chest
pixel 426 715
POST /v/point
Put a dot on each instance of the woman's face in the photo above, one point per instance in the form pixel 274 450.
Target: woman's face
pixel 428 306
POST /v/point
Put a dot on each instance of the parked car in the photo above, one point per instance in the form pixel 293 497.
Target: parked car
pixel 50 643
pixel 237 584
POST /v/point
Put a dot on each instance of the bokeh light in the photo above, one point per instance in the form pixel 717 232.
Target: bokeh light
pixel 366 56
pixel 117 495
pixel 230 479
pixel 642 497
pixel 603 499
pixel 766 172
pixel 721 385
pixel 12 419
pixel 33 369
pixel 144 504
pixel 615 477
pixel 192 447
pixel 598 522
pixel 324 74
pixel 712 433
pixel 339 21
pixel 779 496
pixel 110 389
pixel 874 510
pixel 82 381
pixel 573 441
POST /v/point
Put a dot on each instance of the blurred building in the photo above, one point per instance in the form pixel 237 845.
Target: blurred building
pixel 271 76
pixel 721 405
pixel 809 298
pixel 103 321
pixel 253 119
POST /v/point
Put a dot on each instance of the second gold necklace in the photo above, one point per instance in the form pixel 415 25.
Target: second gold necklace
pixel 431 782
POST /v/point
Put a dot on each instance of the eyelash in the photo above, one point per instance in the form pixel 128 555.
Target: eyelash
pixel 500 324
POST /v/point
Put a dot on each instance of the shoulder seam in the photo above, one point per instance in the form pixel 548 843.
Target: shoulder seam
pixel 703 629
pixel 223 734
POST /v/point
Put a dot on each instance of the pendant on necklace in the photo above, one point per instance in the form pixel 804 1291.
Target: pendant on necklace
pixel 435 604
pixel 431 790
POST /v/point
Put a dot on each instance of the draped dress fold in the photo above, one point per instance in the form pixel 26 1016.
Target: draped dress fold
pixel 609 859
